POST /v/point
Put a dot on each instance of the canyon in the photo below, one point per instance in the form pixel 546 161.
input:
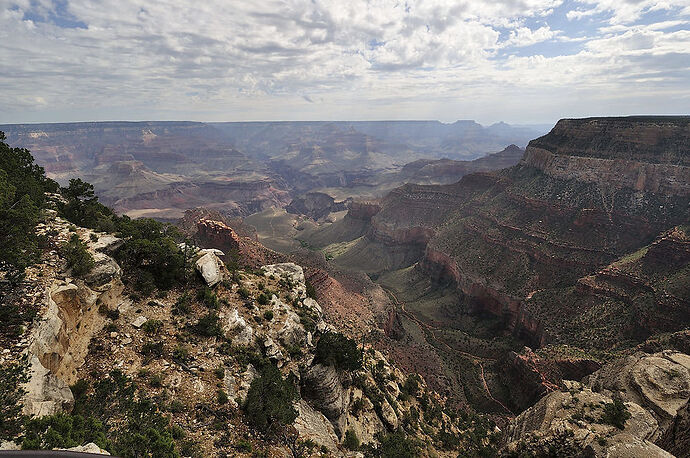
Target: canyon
pixel 579 251
pixel 161 169
pixel 541 288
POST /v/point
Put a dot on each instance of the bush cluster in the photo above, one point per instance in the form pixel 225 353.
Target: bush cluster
pixel 338 350
pixel 23 185
pixel 268 407
pixel 113 416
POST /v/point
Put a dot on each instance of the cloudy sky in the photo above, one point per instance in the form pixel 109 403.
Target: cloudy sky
pixel 520 61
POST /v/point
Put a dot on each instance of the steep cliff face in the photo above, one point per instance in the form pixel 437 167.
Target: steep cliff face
pixel 648 139
pixel 588 193
pixel 58 343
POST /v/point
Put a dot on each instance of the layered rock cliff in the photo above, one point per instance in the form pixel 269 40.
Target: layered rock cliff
pixel 509 239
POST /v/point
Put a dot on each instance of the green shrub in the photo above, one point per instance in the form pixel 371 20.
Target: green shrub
pixel 79 389
pixel 180 354
pixel 615 413
pixel 351 441
pixel 182 305
pixel 208 326
pixel 152 327
pixel 77 256
pixel 357 406
pixel 338 350
pixel 152 350
pixel 63 431
pixel 262 299
pixel 156 381
pixel 207 297
pixel 396 445
pixel 243 446
pixel 219 372
pixel 222 397
pixel 268 406
pixel 411 385
pixel 310 290
pixel 12 376
pixel 176 406
pixel 268 315
pixel 243 292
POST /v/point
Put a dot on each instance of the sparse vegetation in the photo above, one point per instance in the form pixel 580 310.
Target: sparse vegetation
pixel 152 327
pixel 222 397
pixel 207 297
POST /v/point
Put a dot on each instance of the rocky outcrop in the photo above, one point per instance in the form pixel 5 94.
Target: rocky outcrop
pixel 322 386
pixel 208 265
pixel 654 389
pixel 59 341
pixel 651 139
pixel 676 439
pixel 315 205
pixel 217 234
pixel 314 425
pixel 657 178
pixel 237 329
pixel 445 171
pixel 659 382
pixel 569 420
pixel 363 210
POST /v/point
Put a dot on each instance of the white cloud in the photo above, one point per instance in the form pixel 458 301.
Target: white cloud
pixel 524 36
pixel 627 11
pixel 280 59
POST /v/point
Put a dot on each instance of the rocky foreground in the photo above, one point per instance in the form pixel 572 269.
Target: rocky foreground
pixel 196 352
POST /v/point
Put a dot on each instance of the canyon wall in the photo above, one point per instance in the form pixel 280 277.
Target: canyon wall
pixel 523 242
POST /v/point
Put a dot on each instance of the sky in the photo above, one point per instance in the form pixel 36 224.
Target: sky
pixel 518 61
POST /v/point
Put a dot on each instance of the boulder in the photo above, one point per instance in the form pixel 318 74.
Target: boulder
pixel 104 271
pixel 87 448
pixel 238 330
pixel 208 266
pixel 314 425
pixel 321 385
pixel 292 332
pixel 139 321
pixel 572 420
pixel 390 418
pixel 272 350
pixel 215 251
